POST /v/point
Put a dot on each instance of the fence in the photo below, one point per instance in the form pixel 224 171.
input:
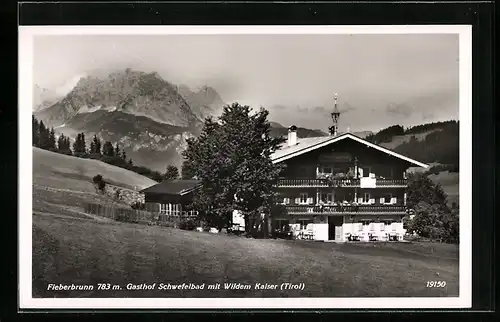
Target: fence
pixel 136 216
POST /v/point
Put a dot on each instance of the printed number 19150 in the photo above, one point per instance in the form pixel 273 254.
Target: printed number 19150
pixel 436 283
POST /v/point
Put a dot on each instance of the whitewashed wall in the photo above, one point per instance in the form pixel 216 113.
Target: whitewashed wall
pixel 320 228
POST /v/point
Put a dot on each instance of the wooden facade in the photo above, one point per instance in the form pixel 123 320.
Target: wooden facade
pixel 346 189
pixel 171 198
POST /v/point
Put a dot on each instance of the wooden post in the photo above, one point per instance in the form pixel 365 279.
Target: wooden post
pixel 317 196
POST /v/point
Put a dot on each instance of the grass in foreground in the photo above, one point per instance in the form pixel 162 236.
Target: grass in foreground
pixel 74 251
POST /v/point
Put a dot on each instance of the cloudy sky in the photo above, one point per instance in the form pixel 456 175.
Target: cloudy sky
pixel 381 80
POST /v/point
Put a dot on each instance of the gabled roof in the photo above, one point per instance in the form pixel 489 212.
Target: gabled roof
pixel 173 187
pixel 305 145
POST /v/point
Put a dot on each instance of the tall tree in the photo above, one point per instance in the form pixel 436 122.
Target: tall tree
pixel 95 146
pixel 35 133
pixel 433 218
pixel 232 159
pixel 171 173
pixel 117 150
pixel 108 150
pixel 44 134
pixel 52 140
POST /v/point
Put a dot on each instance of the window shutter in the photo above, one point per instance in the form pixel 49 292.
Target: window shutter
pixel 360 200
pixel 297 201
pixel 393 200
pixel 310 200
pixel 372 200
pixel 382 200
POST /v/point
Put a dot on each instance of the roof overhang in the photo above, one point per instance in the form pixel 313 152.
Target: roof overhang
pixel 353 137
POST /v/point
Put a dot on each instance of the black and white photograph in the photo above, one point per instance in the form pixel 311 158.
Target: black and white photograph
pixel 245 167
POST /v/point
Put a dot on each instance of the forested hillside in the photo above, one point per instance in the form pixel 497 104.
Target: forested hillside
pixel 439 145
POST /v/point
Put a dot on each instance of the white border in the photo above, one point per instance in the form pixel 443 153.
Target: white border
pixel 464 300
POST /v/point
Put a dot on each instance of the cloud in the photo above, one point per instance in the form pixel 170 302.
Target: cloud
pixel 399 109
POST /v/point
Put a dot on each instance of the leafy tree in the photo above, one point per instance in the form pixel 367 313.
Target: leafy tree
pixel 232 159
pixel 124 155
pixel 171 173
pixel 433 218
pixel 422 188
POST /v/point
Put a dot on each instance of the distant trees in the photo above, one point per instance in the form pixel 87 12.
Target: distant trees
pixel 386 135
pixel 440 146
pixel 95 146
pixel 45 138
pixel 79 146
pixel 171 173
pixel 433 218
pixel 64 145
pixel 108 150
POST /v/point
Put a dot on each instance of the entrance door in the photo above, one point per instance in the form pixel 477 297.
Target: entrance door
pixel 335 228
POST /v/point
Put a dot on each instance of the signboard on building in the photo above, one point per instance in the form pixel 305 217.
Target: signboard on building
pixel 335 157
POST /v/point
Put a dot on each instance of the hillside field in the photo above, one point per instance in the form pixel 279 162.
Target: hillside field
pixel 67 172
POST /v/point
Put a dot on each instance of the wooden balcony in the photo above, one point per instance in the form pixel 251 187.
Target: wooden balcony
pixel 339 183
pixel 317 183
pixel 346 210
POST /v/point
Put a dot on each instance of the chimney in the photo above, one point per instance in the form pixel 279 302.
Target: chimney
pixel 292 135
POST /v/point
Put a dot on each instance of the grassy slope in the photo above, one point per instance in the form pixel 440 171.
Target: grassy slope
pixel 72 179
pixel 67 250
pixel 67 172
pixel 400 139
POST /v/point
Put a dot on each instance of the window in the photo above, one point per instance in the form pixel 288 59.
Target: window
pixel 170 209
pixel 366 197
pixel 303 198
pixel 366 171
pixel 326 169
pixel 387 198
pixel 326 197
pixel 303 223
pixel 281 224
pixel 286 201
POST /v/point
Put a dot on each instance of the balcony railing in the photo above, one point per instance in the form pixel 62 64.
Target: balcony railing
pixel 317 183
pixel 347 210
pixel 320 183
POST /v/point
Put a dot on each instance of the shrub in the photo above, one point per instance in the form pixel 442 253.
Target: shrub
pixel 138 205
pixel 188 224
pixel 101 185
pixel 96 179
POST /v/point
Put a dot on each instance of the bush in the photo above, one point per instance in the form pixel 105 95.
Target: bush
pixel 96 179
pixel 101 185
pixel 188 224
pixel 138 205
